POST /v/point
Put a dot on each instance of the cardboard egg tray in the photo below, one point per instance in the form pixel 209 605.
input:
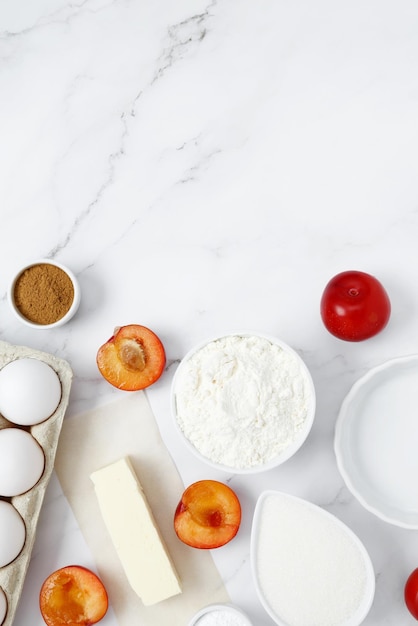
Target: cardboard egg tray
pixel 29 504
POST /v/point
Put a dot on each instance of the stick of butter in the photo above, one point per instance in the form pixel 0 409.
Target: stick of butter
pixel 134 533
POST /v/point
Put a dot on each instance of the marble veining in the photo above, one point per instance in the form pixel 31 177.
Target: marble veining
pixel 206 167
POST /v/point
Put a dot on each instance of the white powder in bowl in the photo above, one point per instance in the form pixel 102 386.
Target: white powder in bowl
pixel 310 568
pixel 241 401
pixel 221 617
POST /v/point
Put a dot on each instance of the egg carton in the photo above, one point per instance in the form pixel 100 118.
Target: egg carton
pixel 29 504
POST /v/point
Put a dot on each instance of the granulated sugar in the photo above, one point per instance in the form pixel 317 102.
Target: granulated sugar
pixel 310 568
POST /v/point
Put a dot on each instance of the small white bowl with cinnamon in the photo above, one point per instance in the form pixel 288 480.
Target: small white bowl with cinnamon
pixel 44 294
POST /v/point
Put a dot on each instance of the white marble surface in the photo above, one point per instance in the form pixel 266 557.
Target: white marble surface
pixel 205 167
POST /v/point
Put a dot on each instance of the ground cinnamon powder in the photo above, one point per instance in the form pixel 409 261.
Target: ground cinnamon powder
pixel 43 293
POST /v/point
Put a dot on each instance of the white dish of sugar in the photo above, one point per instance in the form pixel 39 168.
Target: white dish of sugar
pixel 309 568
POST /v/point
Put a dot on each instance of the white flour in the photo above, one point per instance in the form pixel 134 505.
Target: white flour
pixel 241 401
pixel 309 568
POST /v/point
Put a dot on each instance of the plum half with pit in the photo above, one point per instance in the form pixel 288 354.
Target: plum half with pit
pixel 132 359
pixel 208 515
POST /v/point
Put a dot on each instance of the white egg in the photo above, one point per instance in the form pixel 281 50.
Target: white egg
pixel 22 461
pixel 30 391
pixel 12 533
pixel 3 606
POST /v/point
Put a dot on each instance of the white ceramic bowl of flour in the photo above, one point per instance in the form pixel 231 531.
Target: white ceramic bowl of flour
pixel 243 402
pixel 309 568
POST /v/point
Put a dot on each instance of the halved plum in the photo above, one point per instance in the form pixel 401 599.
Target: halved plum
pixel 73 595
pixel 132 359
pixel 208 515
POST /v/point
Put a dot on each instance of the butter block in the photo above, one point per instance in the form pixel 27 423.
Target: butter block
pixel 134 532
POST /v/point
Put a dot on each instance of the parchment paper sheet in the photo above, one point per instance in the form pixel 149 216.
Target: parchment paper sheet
pixel 127 427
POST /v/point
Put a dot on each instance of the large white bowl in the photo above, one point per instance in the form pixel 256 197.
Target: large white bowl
pixel 291 449
pixel 376 441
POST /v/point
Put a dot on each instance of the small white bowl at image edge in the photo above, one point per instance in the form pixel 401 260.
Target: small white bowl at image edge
pixel 68 315
pixel 291 449
pixel 223 608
